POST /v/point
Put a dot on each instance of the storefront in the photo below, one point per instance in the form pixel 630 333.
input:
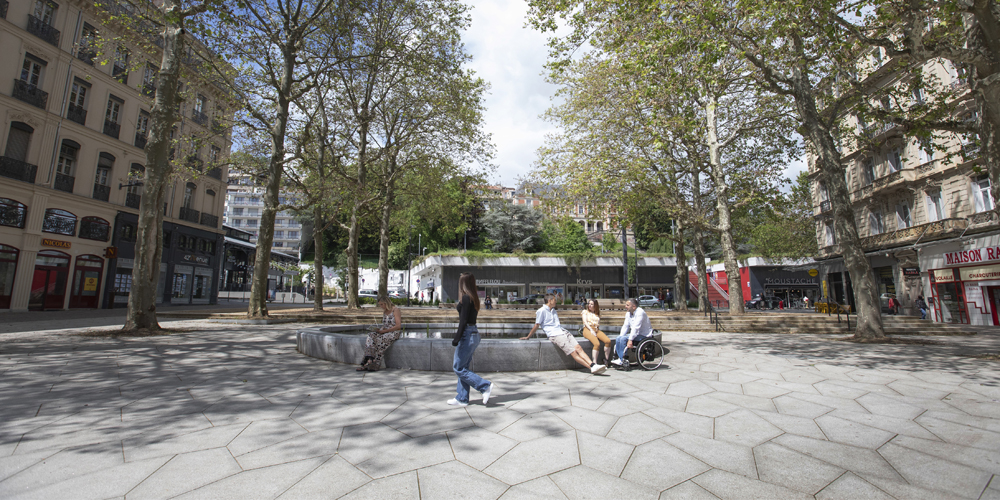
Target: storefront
pixel 791 284
pixel 964 280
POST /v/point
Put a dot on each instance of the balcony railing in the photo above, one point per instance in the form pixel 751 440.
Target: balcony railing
pixel 77 114
pixel 17 169
pixel 120 73
pixel 30 94
pixel 13 215
pixel 199 118
pixel 64 183
pixel 102 192
pixel 983 218
pixel 825 206
pixel 215 173
pixel 148 89
pixel 86 55
pixel 210 220
pixel 970 151
pixel 94 231
pixel 140 140
pixel 906 236
pixel 38 28
pixel 189 214
pixel 132 200
pixel 3 9
pixel 112 129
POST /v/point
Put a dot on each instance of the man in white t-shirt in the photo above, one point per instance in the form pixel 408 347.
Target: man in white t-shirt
pixel 548 318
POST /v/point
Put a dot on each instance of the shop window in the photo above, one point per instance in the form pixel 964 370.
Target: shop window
pixel 128 232
pixel 59 222
pixel 12 213
pixel 8 268
pixel 86 282
pixel 95 228
pixel 182 241
pixel 208 247
pixel 192 243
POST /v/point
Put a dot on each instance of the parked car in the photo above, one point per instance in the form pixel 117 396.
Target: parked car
pixel 535 298
pixel 766 302
pixel 397 294
pixel 367 293
pixel 648 301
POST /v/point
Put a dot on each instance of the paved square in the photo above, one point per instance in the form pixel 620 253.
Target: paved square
pixel 226 411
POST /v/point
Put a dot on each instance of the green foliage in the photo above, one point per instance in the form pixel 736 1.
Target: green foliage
pixel 563 235
pixel 513 227
pixel 661 245
pixel 788 229
pixel 610 243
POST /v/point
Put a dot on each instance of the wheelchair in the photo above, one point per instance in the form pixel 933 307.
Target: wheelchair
pixel 648 354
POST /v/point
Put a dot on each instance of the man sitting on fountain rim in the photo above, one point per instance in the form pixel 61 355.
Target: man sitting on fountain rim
pixel 548 318
pixel 635 329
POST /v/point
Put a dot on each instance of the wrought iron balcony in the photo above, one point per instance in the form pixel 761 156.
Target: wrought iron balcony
pixel 132 200
pixel 988 217
pixel 86 55
pixel 17 169
pixel 102 192
pixel 148 89
pixel 112 129
pixel 64 183
pixel 30 94
pixel 943 228
pixel 13 215
pixel 140 140
pixel 92 230
pixel 215 173
pixel 120 73
pixel 199 117
pixel 42 30
pixel 210 220
pixel 3 9
pixel 189 214
pixel 77 114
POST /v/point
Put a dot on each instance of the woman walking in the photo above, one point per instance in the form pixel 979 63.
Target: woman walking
pixel 380 339
pixel 465 342
pixel 592 330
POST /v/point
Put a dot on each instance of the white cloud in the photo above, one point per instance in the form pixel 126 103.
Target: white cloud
pixel 511 57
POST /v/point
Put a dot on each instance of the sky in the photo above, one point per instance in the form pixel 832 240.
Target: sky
pixel 511 57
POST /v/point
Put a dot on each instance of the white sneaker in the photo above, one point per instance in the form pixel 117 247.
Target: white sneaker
pixel 616 361
pixel 598 369
pixel 488 393
pixel 455 402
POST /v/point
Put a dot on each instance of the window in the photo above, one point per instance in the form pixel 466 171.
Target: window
pixel 59 222
pixel 149 74
pixel 279 234
pixel 237 222
pixel 67 157
pixel 935 208
pixel 918 95
pixel 95 228
pixel 182 241
pixel 31 70
pixel 88 44
pixel 77 110
pixel 875 222
pixel 926 150
pixel 213 155
pixel 293 235
pixel 894 158
pixel 239 199
pixel 903 215
pixel 252 223
pixel 12 213
pixel 189 190
pixel 238 211
pixel 981 194
pixel 199 104
pixel 113 113
pixel 128 232
pixel 278 244
pixel 18 140
pixel 253 212
pixel 868 170
pixel 120 68
pixel 142 129
pixel 45 11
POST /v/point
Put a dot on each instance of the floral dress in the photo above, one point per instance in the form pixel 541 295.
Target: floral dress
pixel 377 343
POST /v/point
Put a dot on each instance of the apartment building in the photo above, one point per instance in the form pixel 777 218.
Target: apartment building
pixel 923 210
pixel 73 126
pixel 244 204
pixel 594 222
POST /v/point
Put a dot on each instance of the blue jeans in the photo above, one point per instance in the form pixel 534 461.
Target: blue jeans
pixel 923 314
pixel 463 356
pixel 622 341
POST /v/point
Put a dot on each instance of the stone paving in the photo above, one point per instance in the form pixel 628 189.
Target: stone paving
pixel 225 411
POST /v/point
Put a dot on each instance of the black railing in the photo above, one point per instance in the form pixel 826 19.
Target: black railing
pixel 215 173
pixel 102 192
pixel 3 9
pixel 112 129
pixel 210 220
pixel 121 73
pixel 59 224
pixel 30 94
pixel 132 200
pixel 13 216
pixel 218 128
pixel 17 169
pixel 38 28
pixel 199 117
pixel 77 114
pixel 189 214
pixel 148 89
pixel 140 140
pixel 92 230
pixel 824 206
pixel 64 182
pixel 86 55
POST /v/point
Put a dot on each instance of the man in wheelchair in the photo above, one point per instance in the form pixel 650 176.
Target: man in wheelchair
pixel 635 330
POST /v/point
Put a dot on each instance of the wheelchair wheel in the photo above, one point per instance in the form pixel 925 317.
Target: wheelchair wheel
pixel 649 354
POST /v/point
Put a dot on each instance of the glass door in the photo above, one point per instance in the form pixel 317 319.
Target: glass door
pixel 951 303
pixel 86 288
pixel 48 285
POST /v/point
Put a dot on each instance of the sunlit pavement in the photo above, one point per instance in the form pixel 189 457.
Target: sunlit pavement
pixel 233 411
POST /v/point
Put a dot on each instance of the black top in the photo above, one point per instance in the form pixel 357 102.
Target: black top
pixel 467 314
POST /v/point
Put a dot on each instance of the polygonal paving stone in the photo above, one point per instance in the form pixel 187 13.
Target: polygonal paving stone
pixel 264 433
pixel 900 488
pixel 336 477
pixel 586 420
pixel 793 425
pixel 744 401
pixel 727 485
pixel 719 454
pixel 852 486
pixel 403 486
pixel 603 454
pixel 831 402
pixel 960 434
pixel 148 446
pixel 977 458
pixel 763 390
pixel 689 389
pixel 536 458
pixel 709 406
pixel 684 422
pixel 537 489
pixel 802 376
pixel 364 447
pixel 187 472
pixel 687 490
pixel 893 425
pixel 437 422
pixel 541 402
pixel 639 428
pixel 583 482
pixel 858 460
pixel 313 444
pixel 791 405
pixel 931 472
pixel 890 407
pixel 852 433
pixel 478 447
pixel 744 427
pixel 458 481
pixel 626 404
pixel 534 426
pixel 793 470
pixel 106 482
pixel 826 388
pixel 643 467
pixel 978 405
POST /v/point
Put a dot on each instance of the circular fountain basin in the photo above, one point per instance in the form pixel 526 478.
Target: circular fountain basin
pixel 427 346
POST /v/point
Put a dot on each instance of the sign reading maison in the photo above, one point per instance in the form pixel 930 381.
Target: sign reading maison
pixel 974 255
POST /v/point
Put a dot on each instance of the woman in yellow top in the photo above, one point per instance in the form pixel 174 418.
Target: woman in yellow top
pixel 592 331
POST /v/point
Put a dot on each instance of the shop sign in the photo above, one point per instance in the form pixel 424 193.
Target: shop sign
pixel 911 271
pixel 814 272
pixel 49 242
pixel 972 255
pixel 943 276
pixel 195 258
pixel 584 282
pixel 790 281
pixel 90 284
pixel 980 273
pixel 494 282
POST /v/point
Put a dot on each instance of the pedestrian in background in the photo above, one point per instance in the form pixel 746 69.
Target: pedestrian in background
pixel 922 306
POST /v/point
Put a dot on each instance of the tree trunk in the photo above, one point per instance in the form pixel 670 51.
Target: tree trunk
pixel 986 89
pixel 159 171
pixel 272 189
pixel 699 244
pixel 352 258
pixel 318 280
pixel 681 274
pixel 869 315
pixel 383 249
pixel 722 207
